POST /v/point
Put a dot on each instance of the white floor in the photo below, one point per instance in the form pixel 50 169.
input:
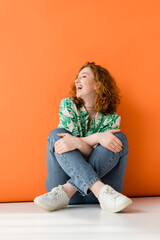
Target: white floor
pixel 25 220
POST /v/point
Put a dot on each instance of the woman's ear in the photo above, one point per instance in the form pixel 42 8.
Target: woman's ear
pixel 98 84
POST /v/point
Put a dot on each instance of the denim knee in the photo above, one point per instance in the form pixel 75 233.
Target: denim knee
pixel 53 133
pixel 122 137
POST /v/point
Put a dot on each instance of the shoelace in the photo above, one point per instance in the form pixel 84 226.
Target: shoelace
pixel 53 192
pixel 111 192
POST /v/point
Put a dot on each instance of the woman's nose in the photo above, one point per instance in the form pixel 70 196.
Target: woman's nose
pixel 77 80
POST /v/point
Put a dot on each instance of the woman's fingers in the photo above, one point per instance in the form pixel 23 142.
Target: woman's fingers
pixel 59 150
pixel 112 149
pixel 115 130
pixel 115 148
pixel 118 147
pixel 118 141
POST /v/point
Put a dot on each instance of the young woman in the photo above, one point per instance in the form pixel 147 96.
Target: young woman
pixel 87 154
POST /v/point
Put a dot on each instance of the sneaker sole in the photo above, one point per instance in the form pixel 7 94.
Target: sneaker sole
pixel 50 209
pixel 121 207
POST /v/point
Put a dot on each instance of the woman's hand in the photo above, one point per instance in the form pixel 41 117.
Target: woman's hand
pixel 67 143
pixel 109 141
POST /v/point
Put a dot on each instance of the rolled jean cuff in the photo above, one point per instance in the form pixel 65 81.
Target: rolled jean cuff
pixel 86 189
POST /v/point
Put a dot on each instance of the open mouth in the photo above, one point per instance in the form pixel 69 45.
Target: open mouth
pixel 79 88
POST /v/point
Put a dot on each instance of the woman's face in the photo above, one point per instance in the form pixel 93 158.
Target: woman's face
pixel 86 83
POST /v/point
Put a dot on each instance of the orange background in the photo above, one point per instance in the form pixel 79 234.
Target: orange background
pixel 42 46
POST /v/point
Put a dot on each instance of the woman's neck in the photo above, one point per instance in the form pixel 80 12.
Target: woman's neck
pixel 89 106
pixel 91 113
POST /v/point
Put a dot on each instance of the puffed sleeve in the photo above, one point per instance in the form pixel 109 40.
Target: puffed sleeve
pixel 67 116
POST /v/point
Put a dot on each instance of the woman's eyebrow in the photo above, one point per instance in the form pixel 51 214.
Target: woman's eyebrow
pixel 83 73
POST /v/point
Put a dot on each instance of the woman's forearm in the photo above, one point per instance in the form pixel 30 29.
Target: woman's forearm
pixel 91 139
pixel 84 148
pixel 86 144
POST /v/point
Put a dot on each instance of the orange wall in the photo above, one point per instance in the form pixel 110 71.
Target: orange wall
pixel 42 45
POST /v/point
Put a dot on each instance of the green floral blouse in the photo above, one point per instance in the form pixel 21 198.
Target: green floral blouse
pixel 76 120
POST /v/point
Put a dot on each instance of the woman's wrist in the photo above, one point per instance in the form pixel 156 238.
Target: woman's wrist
pixel 84 148
pixel 98 137
pixel 82 143
pixel 92 139
pixel 77 142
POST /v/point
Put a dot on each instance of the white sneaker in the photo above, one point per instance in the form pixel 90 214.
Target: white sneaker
pixel 111 200
pixel 56 199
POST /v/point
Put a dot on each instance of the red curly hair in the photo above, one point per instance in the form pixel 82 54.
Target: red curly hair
pixel 107 96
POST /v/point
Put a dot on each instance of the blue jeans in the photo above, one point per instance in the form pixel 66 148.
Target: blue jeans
pixel 71 167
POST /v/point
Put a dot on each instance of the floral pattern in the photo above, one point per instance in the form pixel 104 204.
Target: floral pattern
pixel 76 119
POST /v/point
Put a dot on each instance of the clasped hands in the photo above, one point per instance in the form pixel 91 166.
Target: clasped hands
pixel 69 142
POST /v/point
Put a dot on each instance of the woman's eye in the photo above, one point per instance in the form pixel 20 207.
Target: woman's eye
pixel 81 77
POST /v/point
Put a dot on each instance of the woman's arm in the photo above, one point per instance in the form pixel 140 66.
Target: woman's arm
pixel 84 148
pixel 86 144
pixel 106 139
pixel 91 139
pixel 69 142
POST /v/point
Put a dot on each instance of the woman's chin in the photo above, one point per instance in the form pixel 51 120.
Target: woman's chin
pixel 78 94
